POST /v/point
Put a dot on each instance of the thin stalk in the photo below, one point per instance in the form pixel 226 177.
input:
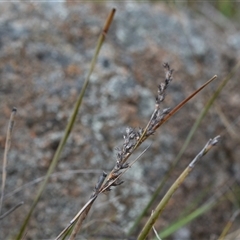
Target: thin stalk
pixel 56 174
pixel 69 126
pixel 155 232
pixel 228 225
pixel 7 147
pixel 11 210
pixel 88 205
pixel 151 221
pixel 78 225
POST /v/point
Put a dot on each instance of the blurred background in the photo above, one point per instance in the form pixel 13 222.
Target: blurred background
pixel 45 53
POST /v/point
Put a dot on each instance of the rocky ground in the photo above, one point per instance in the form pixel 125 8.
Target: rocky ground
pixel 45 51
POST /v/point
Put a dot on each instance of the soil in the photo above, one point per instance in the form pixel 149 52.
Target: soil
pixel 45 54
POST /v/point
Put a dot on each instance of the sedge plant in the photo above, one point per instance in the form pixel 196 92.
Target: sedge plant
pixel 132 140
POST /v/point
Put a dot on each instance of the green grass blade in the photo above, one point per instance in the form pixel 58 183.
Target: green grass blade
pixel 196 202
pixel 69 126
pixel 162 204
pixel 146 229
pixel 215 200
pixel 189 218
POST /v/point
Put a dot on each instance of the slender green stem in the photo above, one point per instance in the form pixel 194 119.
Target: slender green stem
pixel 69 126
pixel 189 218
pixel 161 206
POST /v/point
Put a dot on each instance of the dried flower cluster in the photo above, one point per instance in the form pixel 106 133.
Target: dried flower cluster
pixel 130 140
pixel 159 114
pixel 163 86
pixel 134 137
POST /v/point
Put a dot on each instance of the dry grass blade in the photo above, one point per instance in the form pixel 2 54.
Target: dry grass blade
pixel 11 210
pixel 158 238
pixel 155 232
pixel 56 174
pixel 73 221
pixel 180 105
pixel 69 126
pixel 230 128
pixel 80 220
pixel 7 147
pixel 234 235
pixel 146 229
pixel 228 226
pixel 81 215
